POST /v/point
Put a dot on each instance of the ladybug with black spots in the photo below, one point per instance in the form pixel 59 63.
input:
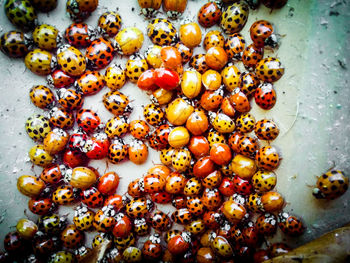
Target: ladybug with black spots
pixel 14 44
pixel 331 185
pixel 99 54
pixel 79 35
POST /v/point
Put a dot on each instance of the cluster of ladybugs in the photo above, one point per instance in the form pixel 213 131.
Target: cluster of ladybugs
pixel 221 176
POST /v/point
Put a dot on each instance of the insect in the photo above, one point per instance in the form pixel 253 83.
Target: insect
pixel 331 185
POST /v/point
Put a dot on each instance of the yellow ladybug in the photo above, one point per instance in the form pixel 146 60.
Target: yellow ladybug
pixel 191 84
pixel 39 156
pixel 128 41
pixel 178 111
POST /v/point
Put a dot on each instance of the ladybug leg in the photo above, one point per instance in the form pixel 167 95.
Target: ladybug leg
pixel 332 166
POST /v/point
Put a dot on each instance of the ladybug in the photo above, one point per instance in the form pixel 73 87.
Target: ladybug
pixel 14 44
pixel 175 183
pixel 152 249
pixel 83 218
pixel 128 41
pixel 231 77
pixel 264 181
pixel 272 202
pixel 70 99
pixel 71 237
pixel 41 96
pixel 221 122
pixel 99 239
pixel 211 198
pixel 79 35
pixel 149 8
pixel 117 151
pixel 267 158
pixel 52 174
pixel 178 137
pixel 198 62
pixel 253 202
pixel 161 31
pixel 191 84
pixel 211 100
pixel 82 253
pixel 117 126
pixel 46 37
pixel 161 197
pixel 59 79
pixel 269 69
pixel 226 170
pixel 104 219
pixel 99 53
pixel 71 60
pixel 153 183
pixel 153 114
pixel 146 80
pixel 290 225
pixel 243 166
pixel 132 254
pixel 123 243
pixel 174 9
pixel 245 123
pixel 190 34
pixel 220 153
pixel 242 186
pixel 181 159
pixel 137 152
pixel 162 96
pixel 234 46
pixel 40 61
pixel 205 254
pixel 87 120
pixel 21 13
pixel 135 66
pixel 115 77
pixel 216 58
pixel 79 10
pixel 249 82
pixel 77 141
pixel 39 156
pixel 138 207
pixel 209 14
pixel 82 177
pixel 212 180
pixel 180 243
pixel 52 224
pixel 199 146
pixel 171 57
pixel 212 219
pixel 90 82
pixel 108 183
pixel 251 56
pixel 139 129
pixel 239 101
pixel 247 146
pixel 153 57
pixel 97 146
pixel 265 96
pixel 182 216
pixel 115 200
pixel 226 187
pixel 63 195
pixel 37 127
pixel 331 185
pixel 62 256
pixel 262 33
pixel 250 234
pixel 233 211
pixel 193 187
pixel 234 18
pixel 56 141
pixel 13 242
pixel 74 158
pixel 195 206
pixel 222 247
pixel 165 155
pixel 141 227
pixel 109 23
pixel 195 227
pixel 135 188
pixel 178 111
pixel 41 206
pixel 116 102
pixel 266 129
pixel 266 224
pixel 185 52
pixel 160 221
pixel 215 137
pixel 166 79
pixel 179 201
pixel 211 80
pixel 92 197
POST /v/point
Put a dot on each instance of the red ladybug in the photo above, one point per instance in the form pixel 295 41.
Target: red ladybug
pixel 88 120
pixel 179 244
pixel 265 96
pixel 147 80
pixel 166 78
pixel 108 183
pixel 242 186
pixel 92 197
pixel 97 147
pixel 99 53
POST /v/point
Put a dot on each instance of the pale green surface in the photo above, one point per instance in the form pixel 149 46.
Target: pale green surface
pixel 314 121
